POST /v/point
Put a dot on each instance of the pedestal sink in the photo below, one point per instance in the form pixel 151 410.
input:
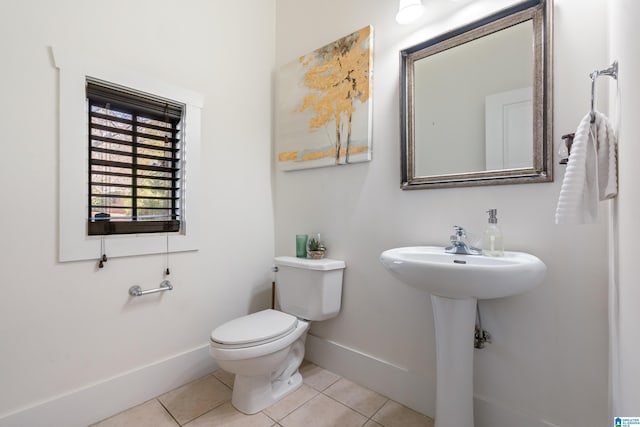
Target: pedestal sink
pixel 455 283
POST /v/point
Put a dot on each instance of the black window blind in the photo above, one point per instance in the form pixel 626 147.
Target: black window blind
pixel 134 161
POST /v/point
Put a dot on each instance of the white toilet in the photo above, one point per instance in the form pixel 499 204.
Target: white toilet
pixel 265 349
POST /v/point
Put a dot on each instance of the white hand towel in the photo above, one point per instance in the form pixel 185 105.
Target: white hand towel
pixel 591 173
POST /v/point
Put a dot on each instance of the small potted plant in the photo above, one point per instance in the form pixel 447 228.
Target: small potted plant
pixel 315 248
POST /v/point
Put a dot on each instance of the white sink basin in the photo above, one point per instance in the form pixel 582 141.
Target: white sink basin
pixel 433 270
pixel 456 283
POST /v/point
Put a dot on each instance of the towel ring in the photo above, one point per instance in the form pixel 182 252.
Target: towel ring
pixel 612 71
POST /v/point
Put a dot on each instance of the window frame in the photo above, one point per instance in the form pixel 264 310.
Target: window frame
pixel 74 242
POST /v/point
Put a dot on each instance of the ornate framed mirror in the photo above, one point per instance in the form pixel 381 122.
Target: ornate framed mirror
pixel 476 102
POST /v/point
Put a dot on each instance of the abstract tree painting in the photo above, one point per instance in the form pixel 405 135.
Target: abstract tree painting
pixel 324 105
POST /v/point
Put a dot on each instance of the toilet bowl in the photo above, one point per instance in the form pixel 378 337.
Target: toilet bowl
pixel 265 349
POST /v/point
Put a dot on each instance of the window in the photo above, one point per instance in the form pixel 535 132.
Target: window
pixel 73 200
pixel 134 161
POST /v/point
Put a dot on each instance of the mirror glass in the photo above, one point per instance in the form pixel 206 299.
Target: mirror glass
pixel 476 103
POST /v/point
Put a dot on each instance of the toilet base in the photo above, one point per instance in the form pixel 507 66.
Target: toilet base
pixel 257 393
pixel 252 394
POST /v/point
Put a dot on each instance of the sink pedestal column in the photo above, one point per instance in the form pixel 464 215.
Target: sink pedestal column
pixel 454 323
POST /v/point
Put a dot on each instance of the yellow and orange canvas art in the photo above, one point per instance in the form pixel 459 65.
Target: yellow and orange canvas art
pixel 324 106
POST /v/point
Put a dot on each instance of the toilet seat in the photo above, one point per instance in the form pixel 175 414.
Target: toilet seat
pixel 253 330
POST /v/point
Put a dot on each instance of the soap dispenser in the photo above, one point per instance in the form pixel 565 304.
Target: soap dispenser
pixel 492 244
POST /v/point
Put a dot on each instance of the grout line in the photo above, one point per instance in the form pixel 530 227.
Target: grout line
pixel 222 382
pixel 167 411
pixel 355 410
pixel 380 409
pixel 297 407
pixel 271 418
pixel 205 413
pixel 191 382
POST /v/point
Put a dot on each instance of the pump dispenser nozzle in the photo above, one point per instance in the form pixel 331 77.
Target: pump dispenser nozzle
pixel 492 244
pixel 493 216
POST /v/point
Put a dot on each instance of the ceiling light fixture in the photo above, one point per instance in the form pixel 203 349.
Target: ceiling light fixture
pixel 409 11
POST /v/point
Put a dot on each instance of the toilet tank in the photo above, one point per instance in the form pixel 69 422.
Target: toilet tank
pixel 309 288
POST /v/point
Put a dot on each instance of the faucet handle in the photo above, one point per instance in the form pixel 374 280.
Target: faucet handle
pixel 458 244
pixel 459 232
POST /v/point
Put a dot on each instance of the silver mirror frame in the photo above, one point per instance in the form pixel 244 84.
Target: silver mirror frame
pixel 541 12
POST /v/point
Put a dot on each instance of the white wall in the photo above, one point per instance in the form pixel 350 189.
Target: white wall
pixel 548 361
pixel 625 314
pixel 67 326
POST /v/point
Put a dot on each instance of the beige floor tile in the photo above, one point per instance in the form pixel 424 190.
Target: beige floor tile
pixel 194 399
pixel 317 377
pixel 372 423
pixel 228 416
pixel 322 411
pixel 225 377
pixel 363 400
pixel 284 407
pixel 149 414
pixel 393 414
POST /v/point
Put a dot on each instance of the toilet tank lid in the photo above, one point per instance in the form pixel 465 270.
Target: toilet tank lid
pixel 310 264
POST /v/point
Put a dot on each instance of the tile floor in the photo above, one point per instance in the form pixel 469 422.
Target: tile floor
pixel 324 400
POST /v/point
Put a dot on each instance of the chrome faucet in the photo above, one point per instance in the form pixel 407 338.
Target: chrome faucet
pixel 459 245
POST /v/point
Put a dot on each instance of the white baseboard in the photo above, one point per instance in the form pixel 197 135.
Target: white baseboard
pixel 100 400
pixel 488 413
pixel 413 390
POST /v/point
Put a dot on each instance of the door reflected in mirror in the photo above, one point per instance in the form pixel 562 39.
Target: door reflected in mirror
pixel 477 103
